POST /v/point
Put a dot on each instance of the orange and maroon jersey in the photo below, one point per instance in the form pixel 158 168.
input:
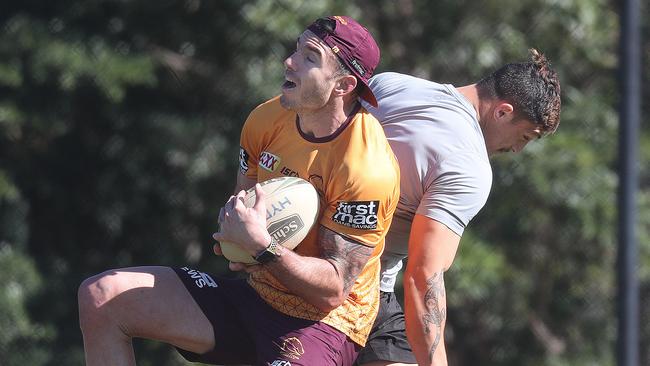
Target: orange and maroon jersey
pixel 357 179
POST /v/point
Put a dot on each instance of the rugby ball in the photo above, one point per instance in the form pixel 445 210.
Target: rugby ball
pixel 292 207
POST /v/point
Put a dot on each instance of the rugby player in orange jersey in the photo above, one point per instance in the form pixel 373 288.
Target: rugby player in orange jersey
pixel 314 306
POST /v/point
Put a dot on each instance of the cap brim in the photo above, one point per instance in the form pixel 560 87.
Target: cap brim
pixel 368 96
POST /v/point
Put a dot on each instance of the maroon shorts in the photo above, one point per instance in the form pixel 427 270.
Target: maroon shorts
pixel 249 331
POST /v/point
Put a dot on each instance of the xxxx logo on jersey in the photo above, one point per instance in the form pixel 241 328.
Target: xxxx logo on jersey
pixel 269 161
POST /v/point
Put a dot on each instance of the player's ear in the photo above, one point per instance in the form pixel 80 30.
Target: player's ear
pixel 503 110
pixel 345 84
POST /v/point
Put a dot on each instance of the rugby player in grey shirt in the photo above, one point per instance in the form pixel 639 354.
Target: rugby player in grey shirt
pixel 442 137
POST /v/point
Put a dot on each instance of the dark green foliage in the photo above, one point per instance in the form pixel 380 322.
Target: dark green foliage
pixel 119 127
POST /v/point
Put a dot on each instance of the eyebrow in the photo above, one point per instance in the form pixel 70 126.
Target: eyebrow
pixel 317 51
pixel 311 48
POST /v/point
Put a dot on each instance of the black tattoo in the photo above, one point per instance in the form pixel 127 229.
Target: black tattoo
pixel 435 308
pixel 347 256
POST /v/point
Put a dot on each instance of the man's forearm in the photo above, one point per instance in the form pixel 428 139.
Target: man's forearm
pixel 432 247
pixel 323 281
pixel 314 279
pixel 426 314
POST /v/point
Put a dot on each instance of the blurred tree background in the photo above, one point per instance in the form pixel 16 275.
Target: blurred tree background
pixel 119 128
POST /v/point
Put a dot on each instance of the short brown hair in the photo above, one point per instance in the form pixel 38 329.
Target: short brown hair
pixel 532 87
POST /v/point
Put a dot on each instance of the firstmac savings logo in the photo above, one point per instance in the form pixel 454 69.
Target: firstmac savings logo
pixel 243 160
pixel 357 214
pixel 269 161
pixel 284 229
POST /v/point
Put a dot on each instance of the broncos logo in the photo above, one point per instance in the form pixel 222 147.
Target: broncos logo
pixel 291 348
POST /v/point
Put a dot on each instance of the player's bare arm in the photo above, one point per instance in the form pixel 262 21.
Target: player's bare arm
pixel 314 279
pixel 347 256
pixel 323 282
pixel 432 248
pixel 435 310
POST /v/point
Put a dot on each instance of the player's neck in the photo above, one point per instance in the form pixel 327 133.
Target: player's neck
pixel 326 120
pixel 470 92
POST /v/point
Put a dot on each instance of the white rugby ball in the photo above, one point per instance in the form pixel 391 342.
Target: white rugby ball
pixel 292 207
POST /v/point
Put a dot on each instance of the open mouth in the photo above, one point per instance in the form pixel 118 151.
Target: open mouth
pixel 288 84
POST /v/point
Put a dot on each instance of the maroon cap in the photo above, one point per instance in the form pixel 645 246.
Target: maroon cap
pixel 353 45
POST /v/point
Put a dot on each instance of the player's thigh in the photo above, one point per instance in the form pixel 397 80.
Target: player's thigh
pixel 153 303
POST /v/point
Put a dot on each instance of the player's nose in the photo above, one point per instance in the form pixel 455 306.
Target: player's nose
pixel 289 62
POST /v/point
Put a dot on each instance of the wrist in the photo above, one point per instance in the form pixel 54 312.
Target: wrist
pixel 261 242
pixel 270 254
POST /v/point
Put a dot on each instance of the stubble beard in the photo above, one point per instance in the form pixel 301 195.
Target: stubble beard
pixel 284 102
pixel 303 101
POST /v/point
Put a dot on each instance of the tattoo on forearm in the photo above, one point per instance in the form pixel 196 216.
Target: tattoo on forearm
pixel 348 257
pixel 435 308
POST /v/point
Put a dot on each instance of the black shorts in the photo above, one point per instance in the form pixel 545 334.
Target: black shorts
pixel 249 331
pixel 387 341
